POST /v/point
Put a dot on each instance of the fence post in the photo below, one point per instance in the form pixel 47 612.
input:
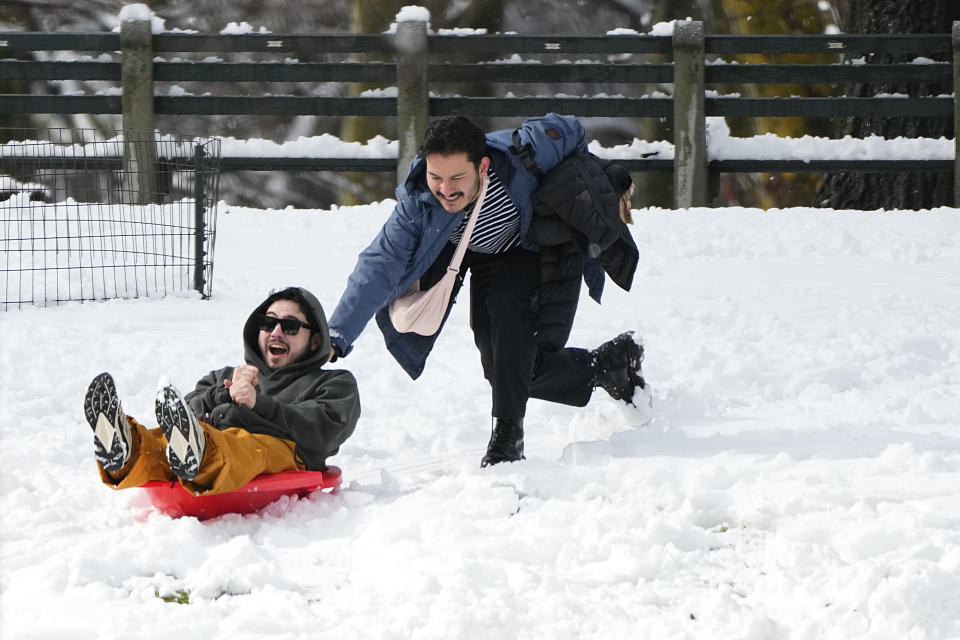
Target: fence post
pixel 956 114
pixel 139 152
pixel 412 92
pixel 689 116
pixel 199 219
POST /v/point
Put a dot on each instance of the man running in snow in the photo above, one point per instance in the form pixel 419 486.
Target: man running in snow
pixel 277 412
pixel 506 311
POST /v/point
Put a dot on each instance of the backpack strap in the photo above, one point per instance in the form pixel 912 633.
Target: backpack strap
pixel 525 153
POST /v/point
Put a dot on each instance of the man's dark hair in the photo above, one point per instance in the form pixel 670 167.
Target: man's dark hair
pixel 294 294
pixel 454 134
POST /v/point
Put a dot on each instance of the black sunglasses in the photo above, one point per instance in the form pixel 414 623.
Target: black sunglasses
pixel 289 326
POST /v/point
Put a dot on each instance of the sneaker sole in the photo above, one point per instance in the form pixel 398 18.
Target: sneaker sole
pixel 185 437
pixel 111 430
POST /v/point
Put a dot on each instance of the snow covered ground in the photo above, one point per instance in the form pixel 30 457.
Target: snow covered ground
pixel 800 477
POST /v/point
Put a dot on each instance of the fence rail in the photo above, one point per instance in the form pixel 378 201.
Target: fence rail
pixel 415 63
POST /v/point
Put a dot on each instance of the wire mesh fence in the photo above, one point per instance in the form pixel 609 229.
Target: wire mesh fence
pixel 85 218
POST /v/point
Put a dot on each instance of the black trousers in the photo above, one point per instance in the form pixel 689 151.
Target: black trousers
pixel 503 316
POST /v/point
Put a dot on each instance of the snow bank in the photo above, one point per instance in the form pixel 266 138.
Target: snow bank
pixel 800 477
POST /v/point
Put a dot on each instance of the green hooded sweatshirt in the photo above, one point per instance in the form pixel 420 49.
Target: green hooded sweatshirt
pixel 314 407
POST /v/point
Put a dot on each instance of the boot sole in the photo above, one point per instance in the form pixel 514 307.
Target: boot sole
pixel 111 430
pixel 635 360
pixel 635 354
pixel 185 437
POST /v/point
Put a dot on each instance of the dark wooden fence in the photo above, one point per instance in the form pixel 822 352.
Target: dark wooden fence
pixel 415 65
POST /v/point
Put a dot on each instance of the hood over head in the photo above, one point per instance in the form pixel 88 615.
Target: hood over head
pixel 315 316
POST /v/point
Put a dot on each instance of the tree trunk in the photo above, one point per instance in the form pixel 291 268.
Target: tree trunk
pixel 900 190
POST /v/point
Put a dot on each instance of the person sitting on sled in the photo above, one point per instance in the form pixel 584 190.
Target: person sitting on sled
pixel 279 411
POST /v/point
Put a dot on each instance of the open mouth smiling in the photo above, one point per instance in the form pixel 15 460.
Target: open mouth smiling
pixel 277 348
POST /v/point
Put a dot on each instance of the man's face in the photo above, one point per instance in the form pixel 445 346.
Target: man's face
pixel 454 180
pixel 280 349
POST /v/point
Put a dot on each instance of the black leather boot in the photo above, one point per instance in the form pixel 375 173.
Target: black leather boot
pixel 616 365
pixel 506 442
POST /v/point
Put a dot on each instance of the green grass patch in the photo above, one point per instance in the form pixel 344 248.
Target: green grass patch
pixel 180 596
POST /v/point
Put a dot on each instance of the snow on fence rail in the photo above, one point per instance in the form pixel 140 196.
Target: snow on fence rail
pixel 78 225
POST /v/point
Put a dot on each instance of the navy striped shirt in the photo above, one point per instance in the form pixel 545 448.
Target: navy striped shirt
pixel 498 223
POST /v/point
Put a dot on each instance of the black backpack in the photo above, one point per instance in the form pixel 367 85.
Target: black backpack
pixel 577 225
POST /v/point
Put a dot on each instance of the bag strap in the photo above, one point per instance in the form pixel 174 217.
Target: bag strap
pixel 468 231
pixel 525 153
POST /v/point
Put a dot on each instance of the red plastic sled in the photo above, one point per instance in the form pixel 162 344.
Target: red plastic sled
pixel 175 501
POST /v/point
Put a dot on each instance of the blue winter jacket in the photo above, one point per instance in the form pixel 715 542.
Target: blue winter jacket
pixel 419 228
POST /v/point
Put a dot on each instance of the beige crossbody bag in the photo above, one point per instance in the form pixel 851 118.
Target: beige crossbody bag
pixel 422 312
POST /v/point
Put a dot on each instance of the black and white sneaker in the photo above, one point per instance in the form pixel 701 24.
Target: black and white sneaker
pixel 186 441
pixel 111 429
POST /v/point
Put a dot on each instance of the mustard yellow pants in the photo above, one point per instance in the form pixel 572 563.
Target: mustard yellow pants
pixel 233 458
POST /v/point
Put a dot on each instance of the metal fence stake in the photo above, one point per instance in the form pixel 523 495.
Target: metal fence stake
pixel 199 219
